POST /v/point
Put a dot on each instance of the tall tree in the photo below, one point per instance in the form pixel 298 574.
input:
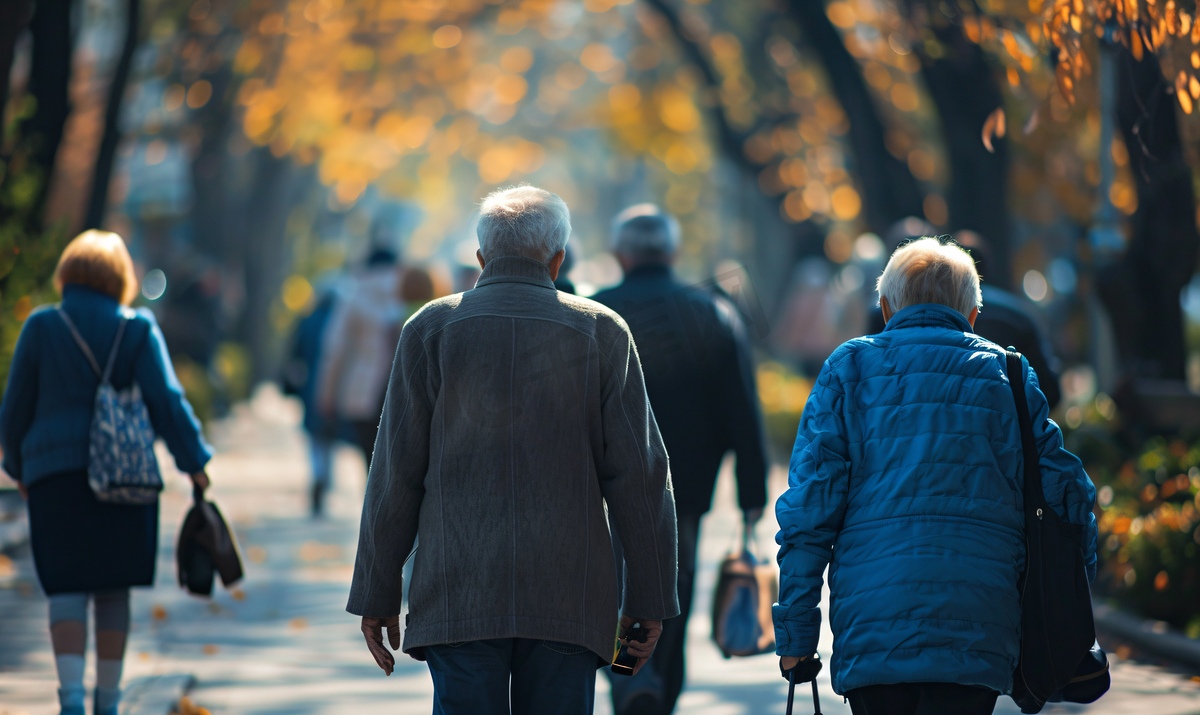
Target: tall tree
pixel 1141 291
pixel 890 191
pixel 962 83
pixel 107 153
pixel 14 15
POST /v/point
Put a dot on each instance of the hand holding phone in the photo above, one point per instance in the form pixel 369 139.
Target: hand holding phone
pixel 636 639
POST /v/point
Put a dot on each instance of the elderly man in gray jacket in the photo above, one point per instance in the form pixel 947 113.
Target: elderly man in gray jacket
pixel 515 434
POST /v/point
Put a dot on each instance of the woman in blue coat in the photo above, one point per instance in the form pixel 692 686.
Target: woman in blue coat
pixel 83 548
pixel 906 482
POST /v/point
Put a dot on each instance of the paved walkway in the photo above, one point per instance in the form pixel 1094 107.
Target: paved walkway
pixel 282 643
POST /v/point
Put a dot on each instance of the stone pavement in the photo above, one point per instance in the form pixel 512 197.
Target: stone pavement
pixel 281 642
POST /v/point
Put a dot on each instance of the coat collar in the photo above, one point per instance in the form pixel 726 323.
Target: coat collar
pixel 649 271
pixel 929 315
pixel 515 269
pixel 78 293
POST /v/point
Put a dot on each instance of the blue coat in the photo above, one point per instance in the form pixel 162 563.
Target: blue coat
pixel 46 415
pixel 906 481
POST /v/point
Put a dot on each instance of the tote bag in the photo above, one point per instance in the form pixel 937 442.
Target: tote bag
pixel 741 615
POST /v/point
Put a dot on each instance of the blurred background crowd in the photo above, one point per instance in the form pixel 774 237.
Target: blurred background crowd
pixel 285 171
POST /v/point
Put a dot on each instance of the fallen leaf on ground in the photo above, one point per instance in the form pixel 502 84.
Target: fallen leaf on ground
pixel 298 623
pixel 237 594
pixel 257 554
pixel 158 613
pixel 211 649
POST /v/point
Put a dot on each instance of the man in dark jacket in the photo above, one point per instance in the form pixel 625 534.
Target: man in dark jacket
pixel 699 375
pixel 515 434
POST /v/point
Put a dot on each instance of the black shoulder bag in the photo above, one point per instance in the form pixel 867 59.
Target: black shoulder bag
pixel 1057 660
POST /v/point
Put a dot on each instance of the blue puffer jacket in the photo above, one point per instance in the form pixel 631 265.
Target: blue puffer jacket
pixel 906 481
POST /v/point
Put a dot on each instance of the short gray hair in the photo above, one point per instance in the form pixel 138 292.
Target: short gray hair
pixel 929 271
pixel 645 231
pixel 523 221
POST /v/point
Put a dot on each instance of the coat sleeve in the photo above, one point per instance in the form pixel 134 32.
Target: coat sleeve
pixel 636 483
pixel 20 399
pixel 396 483
pixel 810 515
pixel 170 413
pixel 739 406
pixel 1065 484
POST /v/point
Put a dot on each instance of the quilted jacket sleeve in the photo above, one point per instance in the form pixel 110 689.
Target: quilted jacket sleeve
pixel 810 515
pixel 1067 487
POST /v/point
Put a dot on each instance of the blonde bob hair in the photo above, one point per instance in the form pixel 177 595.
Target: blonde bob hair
pixel 98 260
pixel 927 270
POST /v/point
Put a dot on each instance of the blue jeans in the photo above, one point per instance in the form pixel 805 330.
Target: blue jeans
pixel 547 677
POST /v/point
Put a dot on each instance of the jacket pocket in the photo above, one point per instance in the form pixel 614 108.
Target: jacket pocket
pixel 564 648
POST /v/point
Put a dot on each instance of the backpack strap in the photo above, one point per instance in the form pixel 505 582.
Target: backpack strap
pixel 1034 497
pixel 87 352
pixel 112 355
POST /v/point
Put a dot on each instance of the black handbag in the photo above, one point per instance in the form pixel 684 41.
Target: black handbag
pixel 207 546
pixel 1057 627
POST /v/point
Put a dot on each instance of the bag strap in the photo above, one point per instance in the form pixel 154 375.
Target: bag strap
pixel 112 355
pixel 1034 497
pixel 87 351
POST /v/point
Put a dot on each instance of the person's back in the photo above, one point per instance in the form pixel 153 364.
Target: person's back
pixel 700 380
pixel 909 458
pixel 515 434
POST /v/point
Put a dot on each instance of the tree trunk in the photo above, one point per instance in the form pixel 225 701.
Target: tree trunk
pixel 102 172
pixel 14 15
pixel 890 191
pixel 1141 291
pixel 964 90
pixel 26 180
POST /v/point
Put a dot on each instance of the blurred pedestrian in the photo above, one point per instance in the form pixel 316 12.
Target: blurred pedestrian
pixel 518 433
pixel 358 346
pixel 1004 318
pixel 908 458
pixel 300 379
pixel 85 549
pixel 700 380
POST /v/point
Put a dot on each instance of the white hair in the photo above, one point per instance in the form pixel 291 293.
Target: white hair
pixel 645 231
pixel 929 271
pixel 523 221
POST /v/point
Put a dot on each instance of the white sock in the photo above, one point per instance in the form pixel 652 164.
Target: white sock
pixel 108 673
pixel 70 670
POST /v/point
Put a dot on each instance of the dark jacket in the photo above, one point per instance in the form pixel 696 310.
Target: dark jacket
pixel 46 417
pixel 304 364
pixel 1003 320
pixel 699 375
pixel 515 418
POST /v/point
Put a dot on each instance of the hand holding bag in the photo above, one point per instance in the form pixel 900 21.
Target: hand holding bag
pixel 206 545
pixel 741 616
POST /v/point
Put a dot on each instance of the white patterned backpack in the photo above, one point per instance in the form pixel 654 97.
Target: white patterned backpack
pixel 122 468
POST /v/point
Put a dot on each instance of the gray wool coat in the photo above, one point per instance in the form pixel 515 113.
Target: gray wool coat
pixel 515 434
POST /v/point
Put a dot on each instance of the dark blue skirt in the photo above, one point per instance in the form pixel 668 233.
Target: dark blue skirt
pixel 80 544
